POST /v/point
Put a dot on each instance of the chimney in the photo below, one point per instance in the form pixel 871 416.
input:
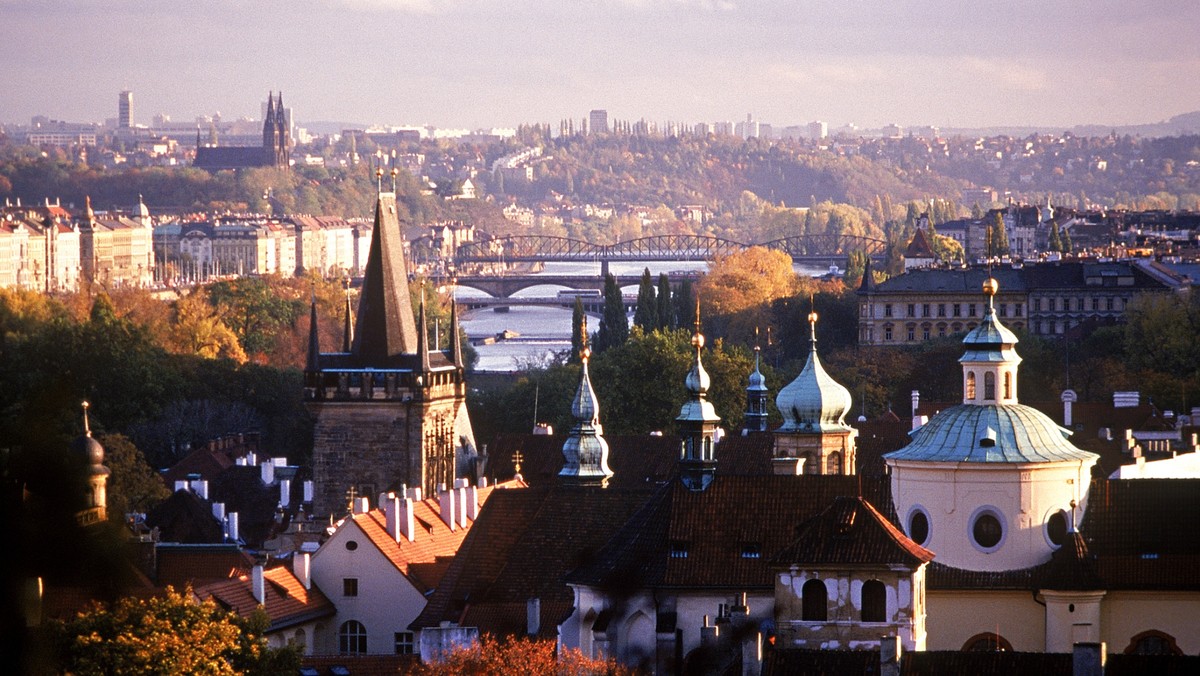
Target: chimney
pixel 258 586
pixel 415 494
pixel 218 509
pixel 268 473
pixel 302 568
pixel 362 505
pixel 285 492
pixel 483 481
pixel 533 616
pixel 1088 659
pixel 890 650
pixel 308 491
pixel 234 533
pixel 181 486
pixel 472 502
pixel 916 401
pixel 708 634
pixel 460 505
pixel 447 504
pixel 1068 398
pixel 398 516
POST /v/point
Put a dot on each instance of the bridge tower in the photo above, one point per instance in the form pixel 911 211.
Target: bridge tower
pixel 389 412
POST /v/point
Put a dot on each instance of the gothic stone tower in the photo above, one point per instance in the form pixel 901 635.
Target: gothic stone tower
pixel 277 135
pixel 389 412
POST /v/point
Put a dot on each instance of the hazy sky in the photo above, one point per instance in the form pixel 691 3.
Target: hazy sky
pixel 475 63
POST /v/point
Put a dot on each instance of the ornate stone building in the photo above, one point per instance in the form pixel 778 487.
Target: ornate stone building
pixel 390 413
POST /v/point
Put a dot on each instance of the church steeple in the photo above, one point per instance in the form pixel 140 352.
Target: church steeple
pixel 585 453
pixel 422 336
pixel 456 353
pixel 697 422
pixel 756 399
pixel 348 321
pixel 313 363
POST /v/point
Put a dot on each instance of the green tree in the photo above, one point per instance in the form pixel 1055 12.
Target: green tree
pixel 1067 246
pixel 1054 241
pixel 998 241
pixel 614 325
pixel 683 300
pixel 645 314
pixel 133 486
pixel 665 312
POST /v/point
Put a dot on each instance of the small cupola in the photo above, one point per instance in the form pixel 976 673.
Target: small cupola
pixel 756 399
pixel 585 452
pixel 697 422
pixel 814 401
pixel 990 360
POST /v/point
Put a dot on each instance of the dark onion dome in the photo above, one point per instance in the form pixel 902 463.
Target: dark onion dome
pixel 89 449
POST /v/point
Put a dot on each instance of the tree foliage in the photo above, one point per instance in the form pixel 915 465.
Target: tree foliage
pixel 645 314
pixel 519 657
pixel 168 634
pixel 614 324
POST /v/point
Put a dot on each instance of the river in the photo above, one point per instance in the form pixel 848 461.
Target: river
pixel 546 331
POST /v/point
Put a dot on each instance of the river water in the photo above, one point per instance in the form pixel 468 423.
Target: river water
pixel 546 331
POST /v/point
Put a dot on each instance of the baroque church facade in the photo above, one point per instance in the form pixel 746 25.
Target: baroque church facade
pixel 390 413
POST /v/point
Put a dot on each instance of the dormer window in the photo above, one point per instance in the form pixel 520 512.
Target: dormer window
pixel 751 550
pixel 679 549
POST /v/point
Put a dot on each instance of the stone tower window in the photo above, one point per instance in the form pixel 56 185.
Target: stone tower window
pixel 814 601
pixel 874 601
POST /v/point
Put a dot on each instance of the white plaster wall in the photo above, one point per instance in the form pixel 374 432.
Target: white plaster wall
pixel 1124 614
pixel 691 610
pixel 1025 495
pixel 1071 617
pixel 386 602
pixel 955 616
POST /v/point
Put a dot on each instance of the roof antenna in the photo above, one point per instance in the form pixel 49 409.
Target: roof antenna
pixel 537 390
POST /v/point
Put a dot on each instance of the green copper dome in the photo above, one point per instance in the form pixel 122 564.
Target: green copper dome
pixel 814 401
pixel 1012 433
pixel 585 452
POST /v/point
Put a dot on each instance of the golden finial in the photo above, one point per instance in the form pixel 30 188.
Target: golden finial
pixel 517 457
pixel 379 179
pixel 87 429
pixel 395 172
pixel 697 337
pixel 991 286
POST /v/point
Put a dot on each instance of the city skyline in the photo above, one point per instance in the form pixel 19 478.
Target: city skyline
pixel 471 65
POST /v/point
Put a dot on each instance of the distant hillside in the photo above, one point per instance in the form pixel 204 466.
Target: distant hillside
pixel 1179 125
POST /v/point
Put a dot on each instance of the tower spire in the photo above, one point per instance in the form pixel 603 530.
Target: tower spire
pixel 313 364
pixel 348 322
pixel 423 335
pixel 697 422
pixel 585 452
pixel 756 395
pixel 456 353
pixel 385 327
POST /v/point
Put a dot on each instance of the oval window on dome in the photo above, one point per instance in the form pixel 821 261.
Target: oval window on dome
pixel 987 530
pixel 918 527
pixel 1056 528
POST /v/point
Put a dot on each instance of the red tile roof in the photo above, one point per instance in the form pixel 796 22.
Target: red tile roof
pixel 181 565
pixel 851 531
pixel 286 601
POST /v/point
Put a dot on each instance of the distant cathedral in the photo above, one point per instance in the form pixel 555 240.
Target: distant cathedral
pixel 389 412
pixel 275 150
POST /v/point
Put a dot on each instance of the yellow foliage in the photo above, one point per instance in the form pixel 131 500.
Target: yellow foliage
pixel 747 278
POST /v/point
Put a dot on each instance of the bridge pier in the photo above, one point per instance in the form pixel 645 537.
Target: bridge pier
pixel 603 268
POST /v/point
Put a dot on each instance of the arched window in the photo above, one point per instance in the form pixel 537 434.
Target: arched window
pixel 1008 385
pixel 971 385
pixel 834 464
pixel 352 638
pixel 987 643
pixel 815 601
pixel 1153 642
pixel 989 386
pixel 874 601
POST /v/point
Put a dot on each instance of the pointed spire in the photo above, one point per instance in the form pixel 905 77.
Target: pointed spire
pixel 385 327
pixel 348 322
pixel 697 422
pixel 755 418
pixel 313 364
pixel 423 335
pixel 585 452
pixel 456 353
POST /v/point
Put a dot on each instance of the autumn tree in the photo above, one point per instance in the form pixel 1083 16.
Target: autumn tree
pixel 751 277
pixel 518 657
pixel 169 634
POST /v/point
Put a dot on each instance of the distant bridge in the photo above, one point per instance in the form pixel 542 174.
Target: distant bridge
pixel 503 286
pixel 592 305
pixel 529 248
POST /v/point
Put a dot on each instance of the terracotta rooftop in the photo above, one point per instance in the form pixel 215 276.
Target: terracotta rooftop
pixel 181 565
pixel 851 531
pixel 286 601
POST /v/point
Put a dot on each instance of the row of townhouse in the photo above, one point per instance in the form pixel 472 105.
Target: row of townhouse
pixel 43 247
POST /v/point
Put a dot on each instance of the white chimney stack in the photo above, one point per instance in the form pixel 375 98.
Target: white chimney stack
pixel 201 488
pixel 233 527
pixel 916 401
pixel 218 509
pixel 268 473
pixel 447 502
pixel 285 492
pixel 533 616
pixel 398 516
pixel 460 505
pixel 302 568
pixel 472 502
pixel 362 505
pixel 258 586
pixel 308 491
pixel 415 494
pixel 1068 398
pixel 181 485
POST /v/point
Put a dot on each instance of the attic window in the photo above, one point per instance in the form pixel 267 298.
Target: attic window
pixel 679 549
pixel 751 550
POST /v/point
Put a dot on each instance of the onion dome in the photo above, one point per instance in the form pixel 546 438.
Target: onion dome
pixel 88 448
pixel 585 452
pixel 814 401
pixel 140 211
pixel 758 382
pixel 697 407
